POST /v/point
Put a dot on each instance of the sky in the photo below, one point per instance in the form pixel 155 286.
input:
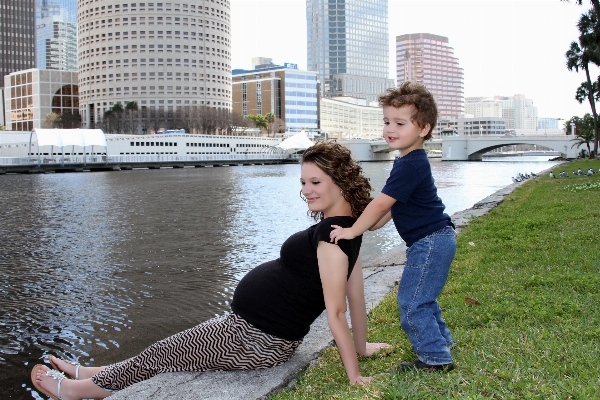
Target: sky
pixel 505 47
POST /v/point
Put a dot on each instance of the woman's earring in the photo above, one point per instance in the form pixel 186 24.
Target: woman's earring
pixel 302 197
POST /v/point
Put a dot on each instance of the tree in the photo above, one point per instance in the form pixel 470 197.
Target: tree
pixel 270 117
pixel 131 112
pixel 584 131
pixel 52 120
pixel 579 57
pixel 260 121
pixel 590 28
pixel 2 128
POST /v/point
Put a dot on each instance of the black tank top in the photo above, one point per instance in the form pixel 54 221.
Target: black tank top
pixel 284 296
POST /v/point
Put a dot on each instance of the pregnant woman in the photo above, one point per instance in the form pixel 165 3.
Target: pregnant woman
pixel 273 305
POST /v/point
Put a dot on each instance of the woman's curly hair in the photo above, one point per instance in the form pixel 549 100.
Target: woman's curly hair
pixel 336 161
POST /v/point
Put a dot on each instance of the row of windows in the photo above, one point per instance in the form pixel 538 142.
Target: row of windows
pixel 300 103
pixel 301 94
pixel 300 121
pixel 191 144
pixel 152 143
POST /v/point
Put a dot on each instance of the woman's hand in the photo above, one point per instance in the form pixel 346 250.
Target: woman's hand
pixel 373 348
pixel 361 380
pixel 340 233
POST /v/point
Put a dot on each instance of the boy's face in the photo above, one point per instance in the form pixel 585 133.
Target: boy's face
pixel 400 132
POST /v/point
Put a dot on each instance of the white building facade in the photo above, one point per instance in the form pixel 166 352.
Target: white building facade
pixel 161 55
pixel 351 118
pixel 471 126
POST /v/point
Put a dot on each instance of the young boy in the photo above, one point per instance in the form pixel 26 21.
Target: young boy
pixel 410 198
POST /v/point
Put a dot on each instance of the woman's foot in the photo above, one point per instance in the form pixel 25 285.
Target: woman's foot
pixel 70 369
pixel 74 371
pixel 50 382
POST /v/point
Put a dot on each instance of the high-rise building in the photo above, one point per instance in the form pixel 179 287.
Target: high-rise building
pixel 518 111
pixel 67 9
pixel 162 55
pixel 483 107
pixel 56 44
pixel 17 39
pixel 347 44
pixel 429 59
pixel 56 35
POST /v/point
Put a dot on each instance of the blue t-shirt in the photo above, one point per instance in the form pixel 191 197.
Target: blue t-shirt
pixel 418 210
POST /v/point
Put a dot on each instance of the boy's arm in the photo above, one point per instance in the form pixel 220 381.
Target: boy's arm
pixel 384 220
pixel 372 214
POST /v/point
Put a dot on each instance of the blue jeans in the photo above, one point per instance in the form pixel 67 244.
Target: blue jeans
pixel 425 274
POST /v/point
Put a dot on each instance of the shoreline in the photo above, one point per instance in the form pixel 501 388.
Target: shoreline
pixel 380 275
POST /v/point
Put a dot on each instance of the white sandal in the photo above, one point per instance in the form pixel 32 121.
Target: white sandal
pixel 66 374
pixel 59 376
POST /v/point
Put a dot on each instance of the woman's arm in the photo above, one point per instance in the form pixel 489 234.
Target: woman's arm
pixel 355 292
pixel 333 269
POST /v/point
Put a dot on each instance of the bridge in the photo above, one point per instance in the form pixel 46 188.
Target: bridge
pixel 472 148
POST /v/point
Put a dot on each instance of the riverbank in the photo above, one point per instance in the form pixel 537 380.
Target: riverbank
pixel 380 277
pixel 521 301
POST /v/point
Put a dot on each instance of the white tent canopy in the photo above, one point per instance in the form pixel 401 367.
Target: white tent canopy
pixel 297 142
pixel 67 137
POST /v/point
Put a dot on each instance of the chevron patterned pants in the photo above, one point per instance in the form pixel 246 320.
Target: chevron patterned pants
pixel 223 343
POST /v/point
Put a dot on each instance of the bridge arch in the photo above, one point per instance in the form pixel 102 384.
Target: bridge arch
pixel 472 148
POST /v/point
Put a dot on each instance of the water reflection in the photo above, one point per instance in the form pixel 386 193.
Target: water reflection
pixel 118 260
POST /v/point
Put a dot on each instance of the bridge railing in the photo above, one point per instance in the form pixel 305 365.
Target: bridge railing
pixel 132 159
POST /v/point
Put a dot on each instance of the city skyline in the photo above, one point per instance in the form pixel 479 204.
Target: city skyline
pixel 536 35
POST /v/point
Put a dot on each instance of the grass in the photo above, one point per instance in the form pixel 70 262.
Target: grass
pixel 533 264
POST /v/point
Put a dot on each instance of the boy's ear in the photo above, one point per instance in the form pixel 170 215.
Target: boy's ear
pixel 425 130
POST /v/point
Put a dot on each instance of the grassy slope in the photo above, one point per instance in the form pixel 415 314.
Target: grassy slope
pixel 534 265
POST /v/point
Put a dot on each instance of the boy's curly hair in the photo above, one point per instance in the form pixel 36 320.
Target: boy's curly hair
pixel 336 161
pixel 416 95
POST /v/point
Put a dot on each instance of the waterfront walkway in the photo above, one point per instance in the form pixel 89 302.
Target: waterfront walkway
pixel 380 277
pixel 45 164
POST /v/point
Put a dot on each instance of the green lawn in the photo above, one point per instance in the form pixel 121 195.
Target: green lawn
pixel 533 264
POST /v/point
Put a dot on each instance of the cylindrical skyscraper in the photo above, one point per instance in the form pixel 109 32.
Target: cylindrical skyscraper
pixel 162 55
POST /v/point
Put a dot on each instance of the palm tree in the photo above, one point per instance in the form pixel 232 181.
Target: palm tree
pixel 260 121
pixel 584 131
pixel 270 117
pixel 579 57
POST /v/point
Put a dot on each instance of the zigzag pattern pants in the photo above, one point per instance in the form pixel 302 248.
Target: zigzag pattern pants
pixel 223 343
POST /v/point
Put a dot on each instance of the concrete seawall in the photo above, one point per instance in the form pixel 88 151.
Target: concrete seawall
pixel 380 277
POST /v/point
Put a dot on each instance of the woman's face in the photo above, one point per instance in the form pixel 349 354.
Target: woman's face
pixel 321 192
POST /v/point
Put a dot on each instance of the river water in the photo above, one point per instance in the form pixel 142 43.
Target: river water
pixel 96 266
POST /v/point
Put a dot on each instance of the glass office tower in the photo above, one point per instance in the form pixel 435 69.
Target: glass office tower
pixel 56 34
pixel 17 40
pixel 347 42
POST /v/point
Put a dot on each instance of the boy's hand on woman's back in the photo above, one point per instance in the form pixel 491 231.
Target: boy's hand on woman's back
pixel 340 233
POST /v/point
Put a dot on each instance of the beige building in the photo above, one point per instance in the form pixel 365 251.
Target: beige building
pixel 483 107
pixel 518 111
pixel 32 94
pixel 351 118
pixel 162 55
pixel 429 59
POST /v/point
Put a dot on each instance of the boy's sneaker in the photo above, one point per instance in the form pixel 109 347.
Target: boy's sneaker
pixel 418 364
